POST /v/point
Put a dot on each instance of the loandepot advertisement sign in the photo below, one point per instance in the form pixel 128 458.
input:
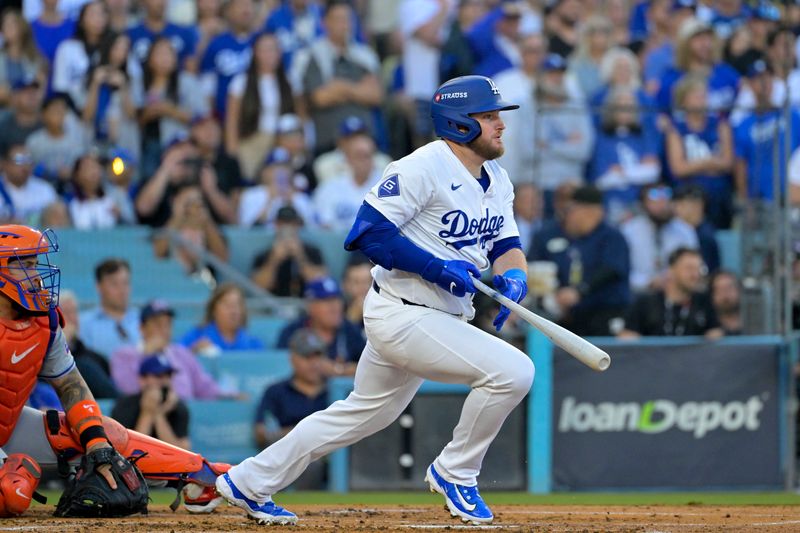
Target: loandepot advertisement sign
pixel 658 416
pixel 678 416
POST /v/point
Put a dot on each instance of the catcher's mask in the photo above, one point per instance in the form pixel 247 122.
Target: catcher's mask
pixel 27 276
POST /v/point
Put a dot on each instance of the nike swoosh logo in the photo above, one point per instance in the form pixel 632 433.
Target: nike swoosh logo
pixel 452 286
pixel 21 495
pixel 453 186
pixel 17 358
pixel 463 502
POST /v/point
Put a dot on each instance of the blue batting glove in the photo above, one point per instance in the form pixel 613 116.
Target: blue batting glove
pixel 513 284
pixel 456 277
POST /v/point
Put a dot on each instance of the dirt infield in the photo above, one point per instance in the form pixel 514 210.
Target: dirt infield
pixel 324 518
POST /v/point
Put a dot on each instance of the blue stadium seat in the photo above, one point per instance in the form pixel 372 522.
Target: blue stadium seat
pixel 331 244
pixel 151 278
pixel 191 312
pixel 181 326
pixel 246 243
pixel 222 430
pixel 266 328
pixel 249 372
pixel 730 250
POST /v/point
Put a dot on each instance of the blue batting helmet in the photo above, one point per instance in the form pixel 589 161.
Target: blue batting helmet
pixel 457 99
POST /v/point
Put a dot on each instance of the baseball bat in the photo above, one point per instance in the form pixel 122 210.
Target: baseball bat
pixel 578 347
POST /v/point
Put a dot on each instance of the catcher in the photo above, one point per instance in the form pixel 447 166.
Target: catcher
pixel 32 344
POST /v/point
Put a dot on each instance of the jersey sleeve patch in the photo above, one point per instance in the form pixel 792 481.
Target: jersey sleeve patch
pixel 390 187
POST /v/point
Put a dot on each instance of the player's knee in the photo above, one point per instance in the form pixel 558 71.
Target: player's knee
pixel 19 477
pixel 514 380
pixel 522 377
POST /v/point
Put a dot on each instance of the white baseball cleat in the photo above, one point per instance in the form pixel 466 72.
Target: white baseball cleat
pixel 263 513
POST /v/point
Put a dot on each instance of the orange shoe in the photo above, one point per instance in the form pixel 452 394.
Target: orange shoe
pixel 19 477
pixel 198 499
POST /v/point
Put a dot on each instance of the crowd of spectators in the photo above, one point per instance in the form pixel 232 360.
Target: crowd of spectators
pixel 258 104
pixel 185 116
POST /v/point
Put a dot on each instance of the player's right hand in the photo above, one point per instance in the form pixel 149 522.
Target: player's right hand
pixel 456 277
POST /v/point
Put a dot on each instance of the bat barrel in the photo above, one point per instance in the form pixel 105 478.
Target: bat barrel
pixel 578 347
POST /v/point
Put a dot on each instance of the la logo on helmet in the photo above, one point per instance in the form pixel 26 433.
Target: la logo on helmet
pixel 494 88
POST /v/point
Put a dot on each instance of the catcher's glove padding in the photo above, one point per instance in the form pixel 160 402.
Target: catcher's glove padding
pixel 89 495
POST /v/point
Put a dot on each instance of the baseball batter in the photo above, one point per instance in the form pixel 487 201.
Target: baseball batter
pixel 435 220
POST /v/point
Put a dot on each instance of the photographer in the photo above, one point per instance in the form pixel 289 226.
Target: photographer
pixel 277 187
pixel 223 180
pixel 191 220
pixel 156 410
pixel 180 167
pixel 284 268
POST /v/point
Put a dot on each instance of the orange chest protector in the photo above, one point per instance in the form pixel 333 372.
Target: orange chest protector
pixel 23 346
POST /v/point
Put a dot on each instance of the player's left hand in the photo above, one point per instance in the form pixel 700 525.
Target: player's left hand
pixel 104 470
pixel 105 485
pixel 513 284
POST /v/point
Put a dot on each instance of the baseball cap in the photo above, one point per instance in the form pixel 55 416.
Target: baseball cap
pixel 199 118
pixel 288 213
pixel 57 97
pixel 25 82
pixel 22 158
pixel 124 154
pixel 757 68
pixel 767 11
pixel 554 62
pixel 511 8
pixel 656 191
pixel 692 27
pixel 155 308
pixel 587 195
pixel 155 365
pixel 289 123
pixel 684 4
pixel 278 156
pixel 352 125
pixel 689 192
pixel 305 343
pixel 179 137
pixel 322 289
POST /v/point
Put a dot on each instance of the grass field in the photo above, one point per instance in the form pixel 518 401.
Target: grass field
pixel 518 498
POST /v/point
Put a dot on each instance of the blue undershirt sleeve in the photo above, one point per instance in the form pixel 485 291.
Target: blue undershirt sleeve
pixel 380 240
pixel 502 246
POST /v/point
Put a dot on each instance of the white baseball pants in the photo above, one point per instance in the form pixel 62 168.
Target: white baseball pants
pixel 406 344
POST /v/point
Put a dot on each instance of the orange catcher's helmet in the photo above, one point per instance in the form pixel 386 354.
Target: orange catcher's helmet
pixel 34 287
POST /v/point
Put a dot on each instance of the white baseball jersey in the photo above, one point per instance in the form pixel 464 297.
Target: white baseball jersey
pixel 442 208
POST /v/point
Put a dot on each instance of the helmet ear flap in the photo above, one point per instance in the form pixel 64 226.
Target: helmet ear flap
pixel 455 126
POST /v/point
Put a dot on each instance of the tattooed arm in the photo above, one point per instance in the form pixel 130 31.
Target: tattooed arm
pixel 71 389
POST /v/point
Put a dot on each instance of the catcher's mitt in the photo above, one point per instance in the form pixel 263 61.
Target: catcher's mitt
pixel 89 495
